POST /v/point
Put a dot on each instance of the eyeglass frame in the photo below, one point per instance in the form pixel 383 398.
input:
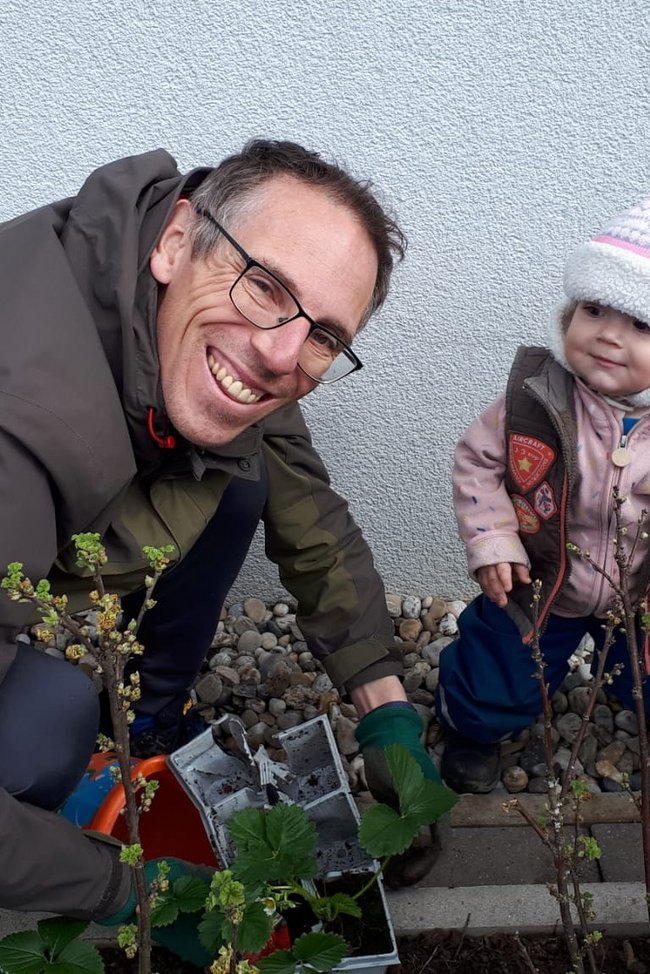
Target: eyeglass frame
pixel 301 313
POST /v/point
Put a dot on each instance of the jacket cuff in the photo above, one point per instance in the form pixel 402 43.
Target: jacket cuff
pixel 491 549
pixel 361 662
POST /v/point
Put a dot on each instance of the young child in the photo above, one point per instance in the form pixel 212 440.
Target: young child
pixel 535 471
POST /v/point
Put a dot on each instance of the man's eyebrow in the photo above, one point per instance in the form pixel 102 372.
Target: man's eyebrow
pixel 338 329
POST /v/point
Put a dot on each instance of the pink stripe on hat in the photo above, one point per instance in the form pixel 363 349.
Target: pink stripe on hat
pixel 624 244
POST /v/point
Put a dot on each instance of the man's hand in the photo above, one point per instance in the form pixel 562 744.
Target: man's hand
pixel 496 580
pixel 392 723
pixel 397 722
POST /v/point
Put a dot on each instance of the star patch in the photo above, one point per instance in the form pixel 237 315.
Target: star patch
pixel 528 460
pixel 529 523
pixel 544 502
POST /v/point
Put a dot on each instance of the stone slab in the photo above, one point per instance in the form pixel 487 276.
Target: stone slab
pixel 488 810
pixel 620 909
pixel 621 847
pixel 489 856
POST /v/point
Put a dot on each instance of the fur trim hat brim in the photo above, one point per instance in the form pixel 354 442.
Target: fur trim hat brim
pixel 611 274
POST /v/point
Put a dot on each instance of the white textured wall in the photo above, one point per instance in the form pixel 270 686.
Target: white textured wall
pixel 502 131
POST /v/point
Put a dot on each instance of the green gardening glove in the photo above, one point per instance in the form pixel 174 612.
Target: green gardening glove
pixel 392 723
pixel 180 937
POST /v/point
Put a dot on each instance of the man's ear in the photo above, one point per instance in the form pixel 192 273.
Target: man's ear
pixel 174 239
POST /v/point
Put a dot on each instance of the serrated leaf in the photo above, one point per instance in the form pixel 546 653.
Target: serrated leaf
pixel 406 773
pixel 164 912
pixel 78 957
pixel 332 906
pixel 23 953
pixel 290 831
pixel 304 868
pixel 246 827
pixel 190 893
pixel 57 932
pixel 254 865
pixel 431 801
pixel 211 932
pixel 281 962
pixel 322 951
pixel 384 832
pixel 255 929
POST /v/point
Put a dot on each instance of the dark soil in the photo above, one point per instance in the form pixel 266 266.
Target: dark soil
pixel 452 953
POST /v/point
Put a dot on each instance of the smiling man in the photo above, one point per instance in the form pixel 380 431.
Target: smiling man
pixel 157 332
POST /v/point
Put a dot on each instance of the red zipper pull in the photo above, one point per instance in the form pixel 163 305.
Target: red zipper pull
pixel 164 442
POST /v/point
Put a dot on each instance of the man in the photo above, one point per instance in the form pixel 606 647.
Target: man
pixel 157 332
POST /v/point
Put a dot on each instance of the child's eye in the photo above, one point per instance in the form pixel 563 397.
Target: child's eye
pixel 640 325
pixel 594 310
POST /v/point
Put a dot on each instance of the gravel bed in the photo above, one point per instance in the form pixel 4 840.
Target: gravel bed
pixel 260 668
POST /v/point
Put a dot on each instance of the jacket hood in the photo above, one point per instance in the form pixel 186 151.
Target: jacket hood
pixel 111 228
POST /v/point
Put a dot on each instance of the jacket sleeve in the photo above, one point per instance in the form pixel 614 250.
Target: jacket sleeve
pixel 487 522
pixel 27 535
pixel 324 561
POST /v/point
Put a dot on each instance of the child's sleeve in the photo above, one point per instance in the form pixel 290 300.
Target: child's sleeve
pixel 487 522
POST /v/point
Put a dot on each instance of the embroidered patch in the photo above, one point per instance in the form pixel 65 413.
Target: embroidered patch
pixel 545 501
pixel 528 460
pixel 529 523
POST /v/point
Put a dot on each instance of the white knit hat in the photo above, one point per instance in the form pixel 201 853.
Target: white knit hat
pixel 613 269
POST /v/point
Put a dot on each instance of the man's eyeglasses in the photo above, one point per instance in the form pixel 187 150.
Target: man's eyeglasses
pixel 267 303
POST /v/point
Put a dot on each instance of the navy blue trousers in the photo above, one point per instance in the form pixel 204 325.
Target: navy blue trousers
pixel 488 691
pixel 49 711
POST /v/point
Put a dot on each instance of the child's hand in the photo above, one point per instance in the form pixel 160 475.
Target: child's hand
pixel 496 580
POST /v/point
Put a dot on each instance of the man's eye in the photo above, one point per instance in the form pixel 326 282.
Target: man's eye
pixel 325 342
pixel 263 285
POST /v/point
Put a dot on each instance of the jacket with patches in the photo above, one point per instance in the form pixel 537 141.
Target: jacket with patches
pixel 534 472
pixel 78 375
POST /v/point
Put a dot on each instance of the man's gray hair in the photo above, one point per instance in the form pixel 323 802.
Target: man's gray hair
pixel 232 184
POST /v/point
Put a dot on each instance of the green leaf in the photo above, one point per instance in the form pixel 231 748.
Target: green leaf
pixel 290 830
pixel 406 774
pixel 164 911
pixel 23 953
pixel 429 803
pixel 322 951
pixel 190 893
pixel 57 932
pixel 78 957
pixel 212 932
pixel 280 962
pixel 384 832
pixel 329 907
pixel 254 930
pixel 247 827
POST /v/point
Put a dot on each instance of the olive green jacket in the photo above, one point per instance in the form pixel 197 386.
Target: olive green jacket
pixel 78 376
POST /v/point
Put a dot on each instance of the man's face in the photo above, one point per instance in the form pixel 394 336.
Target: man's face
pixel 316 246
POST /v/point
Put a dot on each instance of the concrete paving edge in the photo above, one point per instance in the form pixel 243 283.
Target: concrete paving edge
pixel 619 907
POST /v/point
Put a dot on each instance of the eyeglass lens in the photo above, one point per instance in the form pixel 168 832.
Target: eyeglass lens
pixel 267 303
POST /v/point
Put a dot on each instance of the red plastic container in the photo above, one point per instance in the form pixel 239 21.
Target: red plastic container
pixel 172 827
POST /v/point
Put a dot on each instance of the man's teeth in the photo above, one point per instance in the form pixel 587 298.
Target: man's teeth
pixel 235 387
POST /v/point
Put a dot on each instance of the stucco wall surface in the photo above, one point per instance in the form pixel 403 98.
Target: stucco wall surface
pixel 501 131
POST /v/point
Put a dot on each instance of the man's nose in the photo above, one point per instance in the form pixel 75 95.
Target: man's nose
pixel 280 348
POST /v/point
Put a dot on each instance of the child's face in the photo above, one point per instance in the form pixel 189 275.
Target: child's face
pixel 609 350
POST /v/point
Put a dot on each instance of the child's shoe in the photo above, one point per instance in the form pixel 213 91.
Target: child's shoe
pixel 469 766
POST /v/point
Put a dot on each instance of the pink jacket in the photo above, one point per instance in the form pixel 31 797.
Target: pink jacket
pixel 486 518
